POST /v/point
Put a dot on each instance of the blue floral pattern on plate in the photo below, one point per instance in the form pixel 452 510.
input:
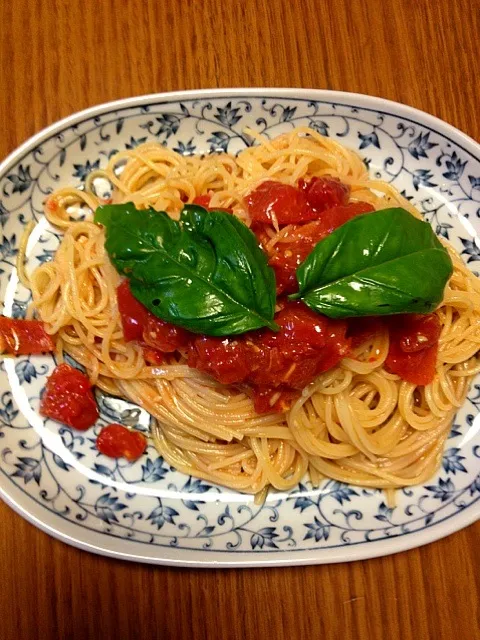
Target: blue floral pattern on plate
pixel 55 474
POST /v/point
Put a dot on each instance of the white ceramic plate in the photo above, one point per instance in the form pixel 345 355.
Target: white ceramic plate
pixel 149 512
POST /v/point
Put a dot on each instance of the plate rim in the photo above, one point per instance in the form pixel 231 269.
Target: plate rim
pixel 196 558
pixel 237 92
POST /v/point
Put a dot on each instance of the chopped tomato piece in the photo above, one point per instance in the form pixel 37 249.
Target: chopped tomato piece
pixel 116 441
pixel 306 345
pixel 153 356
pixel 68 398
pixel 133 313
pixel 289 253
pixel 202 201
pixel 164 336
pixel 325 192
pixel 225 359
pixel 416 332
pixel 302 331
pixel 140 324
pixel 362 329
pixel 24 337
pixel 274 202
pixel 406 355
pixel 416 367
pixel 333 218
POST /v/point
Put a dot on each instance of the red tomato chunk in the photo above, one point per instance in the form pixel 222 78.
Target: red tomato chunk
pixel 164 336
pixel 202 201
pixel 134 315
pixel 274 202
pixel 333 218
pixel 288 254
pixel 417 332
pixel 225 359
pixel 68 398
pixel 24 337
pixel 293 248
pixel 153 356
pixel 362 329
pixel 140 324
pixel 325 192
pixel 316 207
pixel 413 347
pixel 275 363
pixel 116 441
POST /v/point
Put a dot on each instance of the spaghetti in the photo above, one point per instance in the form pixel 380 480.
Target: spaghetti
pixel 356 423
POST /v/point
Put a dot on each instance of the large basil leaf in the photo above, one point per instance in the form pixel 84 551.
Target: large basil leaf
pixel 205 273
pixel 379 263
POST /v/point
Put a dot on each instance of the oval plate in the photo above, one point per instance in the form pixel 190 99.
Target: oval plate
pixel 149 512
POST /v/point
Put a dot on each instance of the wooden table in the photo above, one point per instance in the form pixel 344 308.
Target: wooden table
pixel 60 56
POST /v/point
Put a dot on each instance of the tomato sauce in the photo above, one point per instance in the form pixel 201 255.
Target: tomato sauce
pixel 314 209
pixel 140 325
pixel 274 363
pixel 413 347
pixel 276 366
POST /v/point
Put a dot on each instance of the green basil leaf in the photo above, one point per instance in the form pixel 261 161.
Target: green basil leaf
pixel 378 263
pixel 205 273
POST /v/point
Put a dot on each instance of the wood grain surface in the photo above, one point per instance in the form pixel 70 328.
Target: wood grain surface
pixel 60 56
